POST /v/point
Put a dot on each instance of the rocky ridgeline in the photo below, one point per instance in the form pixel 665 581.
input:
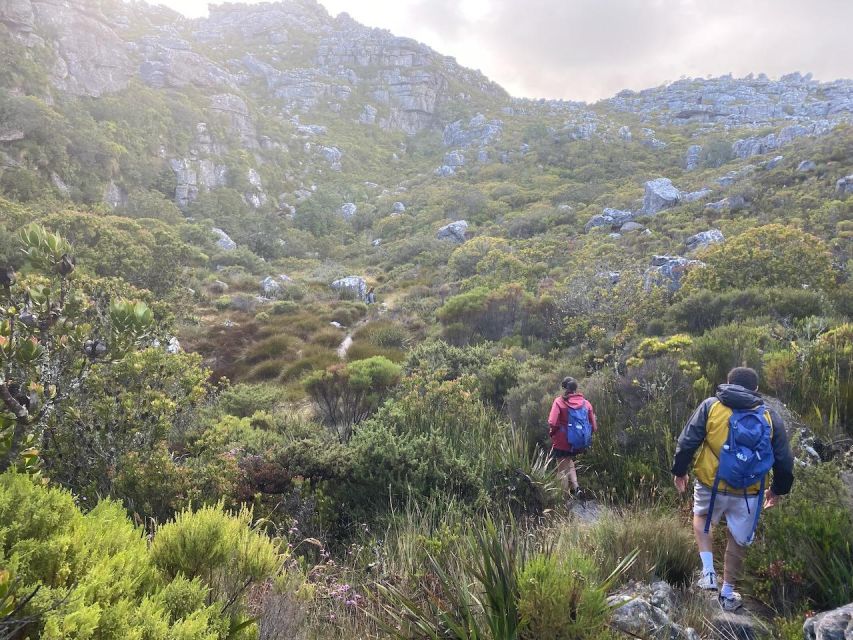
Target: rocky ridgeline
pixel 749 101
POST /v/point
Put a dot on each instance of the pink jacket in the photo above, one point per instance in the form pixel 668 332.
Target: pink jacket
pixel 559 418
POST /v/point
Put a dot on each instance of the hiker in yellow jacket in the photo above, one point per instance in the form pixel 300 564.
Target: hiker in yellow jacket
pixel 713 436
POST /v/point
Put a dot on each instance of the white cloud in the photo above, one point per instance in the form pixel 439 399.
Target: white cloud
pixel 589 49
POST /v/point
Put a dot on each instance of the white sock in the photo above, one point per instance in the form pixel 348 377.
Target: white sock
pixel 727 591
pixel 707 562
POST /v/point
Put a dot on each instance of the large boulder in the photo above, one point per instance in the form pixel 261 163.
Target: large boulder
pixel 660 194
pixel 668 271
pixel 704 239
pixel 610 218
pixel 844 186
pixel 830 625
pixel 693 196
pixel 352 285
pixel 644 611
pixel 731 203
pixel 455 231
pixel 223 241
pixel 348 210
pixel 806 166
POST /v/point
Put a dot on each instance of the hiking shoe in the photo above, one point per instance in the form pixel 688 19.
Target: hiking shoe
pixel 708 582
pixel 731 603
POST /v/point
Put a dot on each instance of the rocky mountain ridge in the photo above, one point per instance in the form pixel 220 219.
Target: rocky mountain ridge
pixel 280 82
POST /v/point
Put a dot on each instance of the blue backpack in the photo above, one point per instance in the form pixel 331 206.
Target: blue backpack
pixel 746 457
pixel 579 429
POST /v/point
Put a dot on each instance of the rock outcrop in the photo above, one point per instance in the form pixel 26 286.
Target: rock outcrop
pixel 646 611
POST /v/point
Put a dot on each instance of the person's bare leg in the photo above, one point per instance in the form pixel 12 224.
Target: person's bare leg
pixel 733 561
pixel 568 474
pixel 704 541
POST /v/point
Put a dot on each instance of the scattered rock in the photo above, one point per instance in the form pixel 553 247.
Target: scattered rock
pixel 376 242
pixel 731 203
pixel 479 132
pixel 693 196
pixel 806 166
pixel 844 186
pixel 368 114
pixel 739 625
pixel 455 231
pixel 333 156
pixel 831 625
pixel 694 153
pixel 174 346
pixel 645 613
pixel 660 194
pixel 218 287
pixel 270 287
pixel 398 207
pixel 354 285
pixel 774 162
pixel 224 241
pixel 631 226
pixel 625 133
pixel 668 271
pixel 348 210
pixel 704 239
pixel 610 218
pixel 445 171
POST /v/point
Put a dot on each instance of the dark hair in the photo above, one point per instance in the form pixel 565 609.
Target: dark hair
pixel 570 384
pixel 745 377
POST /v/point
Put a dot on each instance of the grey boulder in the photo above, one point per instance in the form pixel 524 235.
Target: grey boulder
pixel 354 285
pixel 348 210
pixel 704 239
pixel 610 218
pixel 844 186
pixel 660 194
pixel 455 231
pixel 830 625
pixel 668 271
pixel 224 241
pixel 805 166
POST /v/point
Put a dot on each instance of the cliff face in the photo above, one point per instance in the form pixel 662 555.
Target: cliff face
pixel 300 55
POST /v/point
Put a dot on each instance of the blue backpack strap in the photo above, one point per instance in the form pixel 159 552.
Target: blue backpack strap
pixel 758 508
pixel 711 505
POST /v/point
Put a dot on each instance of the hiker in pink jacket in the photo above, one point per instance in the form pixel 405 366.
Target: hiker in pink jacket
pixel 570 412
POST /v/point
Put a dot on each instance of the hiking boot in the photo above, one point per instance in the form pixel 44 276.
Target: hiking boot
pixel 732 602
pixel 708 582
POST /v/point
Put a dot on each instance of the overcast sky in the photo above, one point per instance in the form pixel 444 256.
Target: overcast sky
pixel 591 49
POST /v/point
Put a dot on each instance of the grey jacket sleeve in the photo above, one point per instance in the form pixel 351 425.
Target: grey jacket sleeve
pixel 691 438
pixel 783 465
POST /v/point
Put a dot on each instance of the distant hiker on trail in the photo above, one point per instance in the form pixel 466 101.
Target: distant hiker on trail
pixel 371 296
pixel 739 441
pixel 571 425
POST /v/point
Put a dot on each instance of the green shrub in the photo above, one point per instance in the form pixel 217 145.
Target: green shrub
pixel 242 400
pixel 803 550
pixel 222 303
pixel 328 337
pixel 220 549
pixel 94 575
pixel 665 545
pixel 268 369
pixel 283 307
pixel 559 599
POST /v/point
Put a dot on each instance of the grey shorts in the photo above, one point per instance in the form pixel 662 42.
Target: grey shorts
pixel 738 510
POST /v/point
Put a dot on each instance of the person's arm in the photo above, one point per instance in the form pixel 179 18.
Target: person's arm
pixel 554 418
pixel 783 465
pixel 691 438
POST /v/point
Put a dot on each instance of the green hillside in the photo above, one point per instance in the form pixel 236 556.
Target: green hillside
pixel 192 357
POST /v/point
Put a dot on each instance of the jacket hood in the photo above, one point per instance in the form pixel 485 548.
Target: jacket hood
pixel 574 401
pixel 735 396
